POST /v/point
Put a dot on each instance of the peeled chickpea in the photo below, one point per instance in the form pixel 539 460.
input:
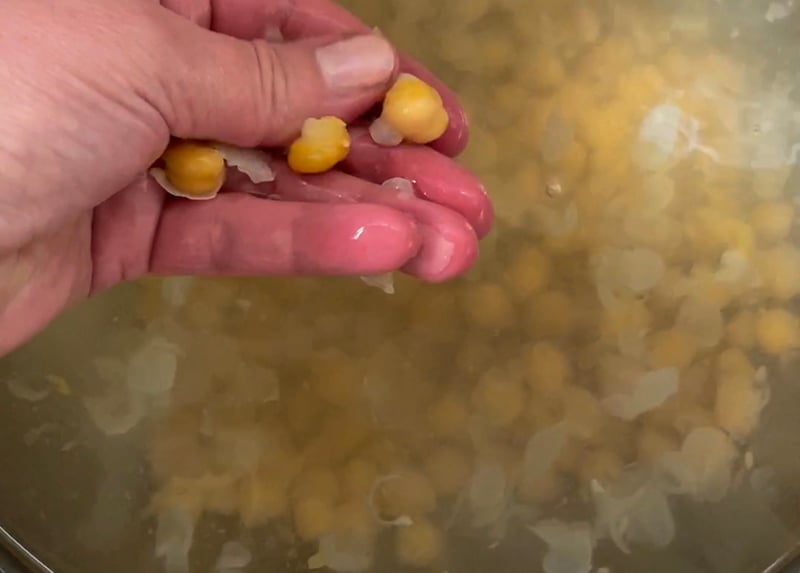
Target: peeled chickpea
pixel 323 143
pixel 412 111
pixel 777 331
pixel 193 170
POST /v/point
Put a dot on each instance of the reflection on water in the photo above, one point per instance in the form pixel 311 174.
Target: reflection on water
pixel 601 374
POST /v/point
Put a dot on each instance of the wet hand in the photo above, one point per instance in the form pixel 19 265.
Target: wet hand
pixel 93 92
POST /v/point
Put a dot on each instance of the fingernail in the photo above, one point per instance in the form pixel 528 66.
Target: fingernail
pixel 359 62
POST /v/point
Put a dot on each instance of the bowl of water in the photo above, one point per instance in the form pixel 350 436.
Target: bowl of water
pixel 612 388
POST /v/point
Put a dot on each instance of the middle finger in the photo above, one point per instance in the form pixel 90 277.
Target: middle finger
pixel 449 243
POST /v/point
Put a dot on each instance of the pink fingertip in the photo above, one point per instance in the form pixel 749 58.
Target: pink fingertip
pixel 363 239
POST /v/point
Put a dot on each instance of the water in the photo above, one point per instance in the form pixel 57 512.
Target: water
pixel 641 160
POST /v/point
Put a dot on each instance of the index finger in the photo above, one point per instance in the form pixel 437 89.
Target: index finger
pixel 296 19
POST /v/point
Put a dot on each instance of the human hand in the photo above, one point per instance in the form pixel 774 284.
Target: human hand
pixel 92 92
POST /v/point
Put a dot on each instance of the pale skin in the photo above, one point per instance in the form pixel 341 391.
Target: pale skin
pixel 91 93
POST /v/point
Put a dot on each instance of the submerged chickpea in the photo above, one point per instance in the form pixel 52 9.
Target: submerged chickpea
pixel 412 111
pixel 773 220
pixel 418 544
pixel 449 470
pixel 777 331
pixel 313 517
pixel 407 493
pixel 192 170
pixel 323 143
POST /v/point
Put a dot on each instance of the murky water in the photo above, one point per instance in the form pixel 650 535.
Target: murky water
pixel 615 375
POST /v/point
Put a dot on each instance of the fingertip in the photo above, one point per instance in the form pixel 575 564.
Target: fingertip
pixel 437 178
pixel 356 239
pixel 447 252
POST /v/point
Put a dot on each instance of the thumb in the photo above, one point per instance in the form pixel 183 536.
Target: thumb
pixel 253 93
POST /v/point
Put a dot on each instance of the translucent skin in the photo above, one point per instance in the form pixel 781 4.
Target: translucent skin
pixel 78 214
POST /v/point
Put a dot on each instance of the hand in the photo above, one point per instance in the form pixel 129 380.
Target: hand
pixel 92 91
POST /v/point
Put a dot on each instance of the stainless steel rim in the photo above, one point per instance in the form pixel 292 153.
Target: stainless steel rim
pixel 13 555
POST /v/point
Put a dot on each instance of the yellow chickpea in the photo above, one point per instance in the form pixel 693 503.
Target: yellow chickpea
pixel 741 329
pixel 318 483
pixel 548 369
pixel 527 273
pixel 627 316
pixel 488 305
pixel 323 143
pixel 449 415
pixel 772 221
pixel 541 413
pixel 570 167
pixel 533 122
pixel 777 331
pixel 412 111
pixel 545 488
pixel 313 518
pixel 449 470
pixel 734 362
pixel 499 398
pixel 303 410
pixel 419 544
pixel 552 313
pixel 587 24
pixel 653 443
pixel 780 270
pixel 674 347
pixel 769 184
pixel 354 520
pixel 569 459
pixel 738 406
pixel 334 377
pixel 357 477
pixel 546 71
pixel 584 415
pixel 608 127
pixel 340 434
pixel 262 498
pixel 641 85
pixel 194 170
